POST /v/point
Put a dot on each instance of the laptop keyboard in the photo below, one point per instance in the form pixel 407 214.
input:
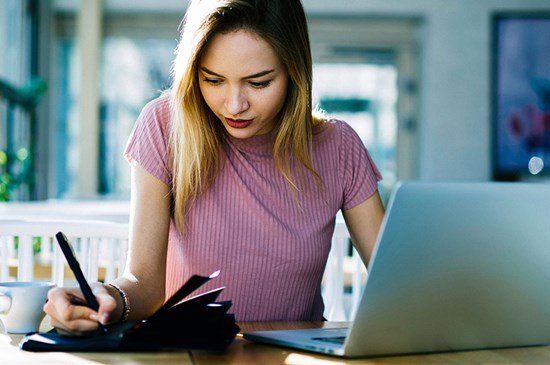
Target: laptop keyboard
pixel 336 339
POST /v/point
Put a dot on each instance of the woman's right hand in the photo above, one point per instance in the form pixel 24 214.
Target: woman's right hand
pixel 71 316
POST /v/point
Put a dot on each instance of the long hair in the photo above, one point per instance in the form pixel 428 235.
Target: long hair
pixel 196 136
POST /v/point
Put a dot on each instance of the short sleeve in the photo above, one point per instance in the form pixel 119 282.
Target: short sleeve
pixel 360 176
pixel 148 142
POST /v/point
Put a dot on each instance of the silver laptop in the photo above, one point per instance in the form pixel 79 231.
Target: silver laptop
pixel 457 266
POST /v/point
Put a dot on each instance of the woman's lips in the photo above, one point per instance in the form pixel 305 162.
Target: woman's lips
pixel 238 123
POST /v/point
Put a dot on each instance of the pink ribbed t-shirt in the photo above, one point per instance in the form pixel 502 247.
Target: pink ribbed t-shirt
pixel 270 246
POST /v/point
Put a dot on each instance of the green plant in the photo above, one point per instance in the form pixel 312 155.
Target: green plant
pixel 4 177
pixel 36 247
pixel 18 162
pixel 16 165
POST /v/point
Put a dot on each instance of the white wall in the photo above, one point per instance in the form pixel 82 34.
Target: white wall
pixel 455 125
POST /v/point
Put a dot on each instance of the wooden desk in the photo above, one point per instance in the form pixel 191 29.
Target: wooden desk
pixel 245 352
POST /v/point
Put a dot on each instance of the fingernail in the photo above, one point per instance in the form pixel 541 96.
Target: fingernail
pixel 105 319
pixel 94 317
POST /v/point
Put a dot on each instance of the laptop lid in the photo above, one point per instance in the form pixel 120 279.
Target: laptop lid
pixel 457 266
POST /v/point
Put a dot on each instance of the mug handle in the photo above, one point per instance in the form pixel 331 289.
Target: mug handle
pixel 5 302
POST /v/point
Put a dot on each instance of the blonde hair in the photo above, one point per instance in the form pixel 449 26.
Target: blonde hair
pixel 196 136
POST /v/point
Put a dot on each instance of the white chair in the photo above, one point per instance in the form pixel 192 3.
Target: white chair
pixel 344 277
pixel 100 246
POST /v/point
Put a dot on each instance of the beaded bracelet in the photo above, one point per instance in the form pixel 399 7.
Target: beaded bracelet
pixel 125 301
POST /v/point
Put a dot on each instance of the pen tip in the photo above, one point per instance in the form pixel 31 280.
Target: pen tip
pixel 216 273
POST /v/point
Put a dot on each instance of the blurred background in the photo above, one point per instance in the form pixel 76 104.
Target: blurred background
pixel 437 89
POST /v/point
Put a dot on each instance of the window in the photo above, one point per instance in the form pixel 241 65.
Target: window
pixel 134 69
pixel 19 96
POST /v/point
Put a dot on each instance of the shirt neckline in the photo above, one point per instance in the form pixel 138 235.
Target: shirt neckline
pixel 259 145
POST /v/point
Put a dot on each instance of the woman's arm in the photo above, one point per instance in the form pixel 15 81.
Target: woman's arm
pixel 363 222
pixel 144 277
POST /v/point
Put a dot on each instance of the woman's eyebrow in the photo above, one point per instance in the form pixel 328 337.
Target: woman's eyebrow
pixel 259 74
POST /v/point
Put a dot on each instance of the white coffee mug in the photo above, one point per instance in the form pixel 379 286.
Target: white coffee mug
pixel 21 305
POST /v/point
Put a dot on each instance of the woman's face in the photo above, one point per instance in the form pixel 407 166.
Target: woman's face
pixel 244 83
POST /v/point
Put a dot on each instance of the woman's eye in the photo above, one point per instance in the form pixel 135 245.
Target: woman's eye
pixel 260 84
pixel 212 81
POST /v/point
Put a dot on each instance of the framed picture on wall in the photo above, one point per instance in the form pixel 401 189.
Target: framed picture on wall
pixel 521 95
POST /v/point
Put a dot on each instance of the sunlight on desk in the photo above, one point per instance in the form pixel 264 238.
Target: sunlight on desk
pixel 12 355
pixel 298 359
pixel 4 339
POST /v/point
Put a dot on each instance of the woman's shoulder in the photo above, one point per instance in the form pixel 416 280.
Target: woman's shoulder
pixel 156 114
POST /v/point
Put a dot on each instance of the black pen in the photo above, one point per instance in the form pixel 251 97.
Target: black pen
pixel 77 271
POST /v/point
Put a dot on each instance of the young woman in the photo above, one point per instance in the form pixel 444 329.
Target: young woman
pixel 231 171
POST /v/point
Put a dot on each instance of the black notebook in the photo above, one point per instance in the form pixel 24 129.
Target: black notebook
pixel 199 322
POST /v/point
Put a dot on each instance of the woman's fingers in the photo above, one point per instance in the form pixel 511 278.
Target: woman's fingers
pixel 107 304
pixel 70 314
pixel 77 327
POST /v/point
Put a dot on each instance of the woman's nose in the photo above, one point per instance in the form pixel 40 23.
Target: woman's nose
pixel 236 101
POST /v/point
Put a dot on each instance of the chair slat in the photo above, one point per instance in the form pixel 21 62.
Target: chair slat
pixel 344 277
pixel 25 258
